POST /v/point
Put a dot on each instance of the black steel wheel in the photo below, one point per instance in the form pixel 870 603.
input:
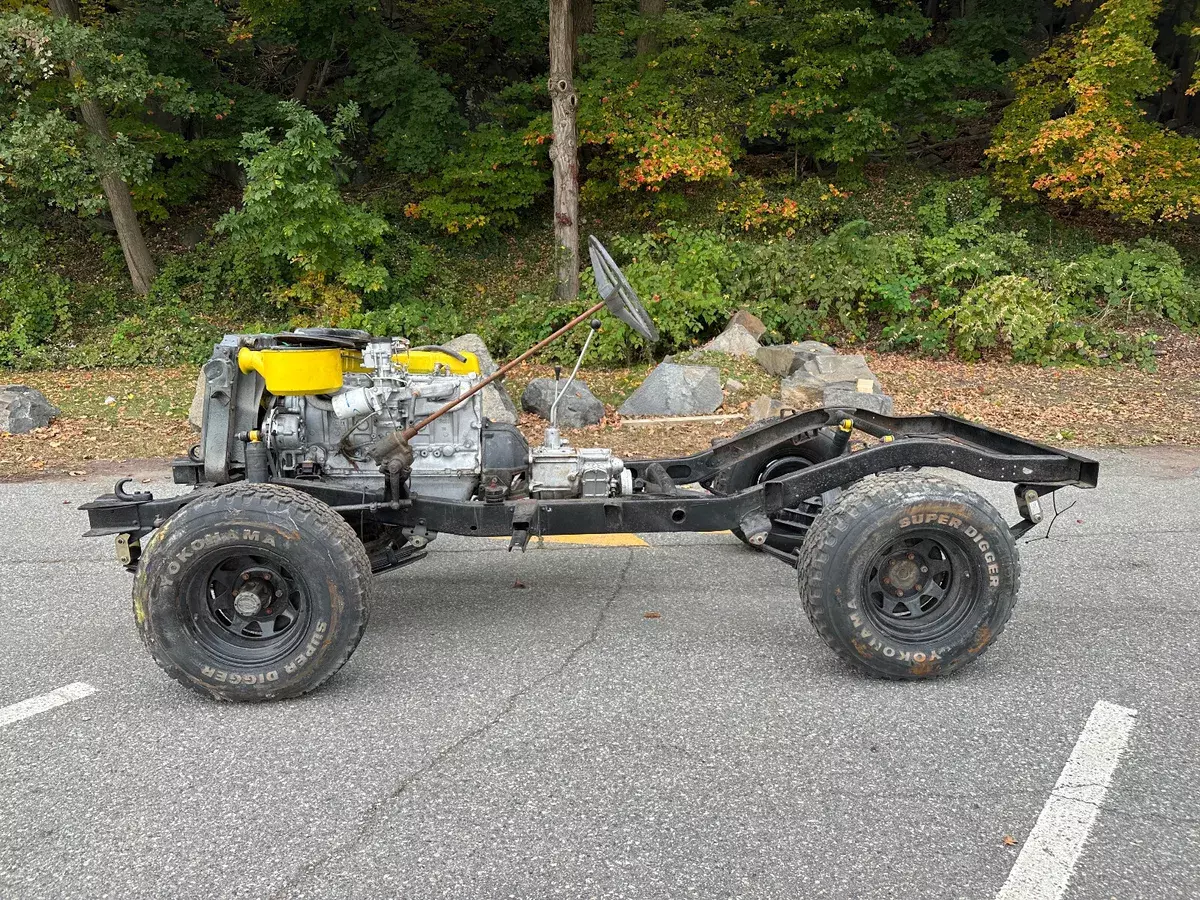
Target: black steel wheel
pixel 789 526
pixel 909 576
pixel 248 606
pixel 252 592
pixel 916 585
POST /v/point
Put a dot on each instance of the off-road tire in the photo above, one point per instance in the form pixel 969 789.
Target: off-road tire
pixel 318 565
pixel 865 547
pixel 749 472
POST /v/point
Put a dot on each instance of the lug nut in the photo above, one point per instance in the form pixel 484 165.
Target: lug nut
pixel 924 569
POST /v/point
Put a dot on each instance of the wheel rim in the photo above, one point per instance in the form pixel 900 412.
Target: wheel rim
pixel 920 588
pixel 246 607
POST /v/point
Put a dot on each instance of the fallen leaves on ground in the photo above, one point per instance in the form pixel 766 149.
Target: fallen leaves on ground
pixel 1116 405
pixel 1084 406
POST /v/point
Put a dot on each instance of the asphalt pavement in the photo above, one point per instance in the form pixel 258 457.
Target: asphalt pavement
pixel 647 720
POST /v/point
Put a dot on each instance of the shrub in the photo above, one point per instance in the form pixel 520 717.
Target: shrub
pixel 485 185
pixel 1012 310
pixel 1146 279
pixel 812 203
pixel 804 290
pixel 293 216
pixel 962 246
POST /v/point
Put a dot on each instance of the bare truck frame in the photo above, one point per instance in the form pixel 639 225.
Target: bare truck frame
pixel 255 584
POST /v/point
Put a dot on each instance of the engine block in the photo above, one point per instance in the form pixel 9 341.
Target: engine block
pixel 332 438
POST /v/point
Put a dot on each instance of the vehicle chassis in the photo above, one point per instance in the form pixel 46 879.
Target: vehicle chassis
pixel 902 443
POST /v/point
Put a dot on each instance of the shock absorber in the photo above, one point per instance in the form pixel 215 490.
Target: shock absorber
pixel 841 437
pixel 257 468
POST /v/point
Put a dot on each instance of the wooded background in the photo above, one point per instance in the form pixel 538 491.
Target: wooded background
pixel 949 176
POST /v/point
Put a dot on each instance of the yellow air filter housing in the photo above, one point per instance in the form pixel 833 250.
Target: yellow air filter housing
pixel 295 372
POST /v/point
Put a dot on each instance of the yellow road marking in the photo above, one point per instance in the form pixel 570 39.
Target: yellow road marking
pixel 591 540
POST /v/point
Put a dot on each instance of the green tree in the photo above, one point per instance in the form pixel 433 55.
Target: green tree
pixel 62 83
pixel 1079 130
pixel 293 214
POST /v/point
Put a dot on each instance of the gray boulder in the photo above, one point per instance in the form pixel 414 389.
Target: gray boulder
pixel 733 384
pixel 22 409
pixel 196 410
pixel 833 368
pixel 497 405
pixel 735 340
pixel 766 408
pixel 674 390
pixel 578 407
pixel 802 391
pixel 782 360
pixel 750 322
pixel 846 395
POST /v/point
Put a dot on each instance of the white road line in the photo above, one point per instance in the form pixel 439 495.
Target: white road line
pixel 45 702
pixel 1052 849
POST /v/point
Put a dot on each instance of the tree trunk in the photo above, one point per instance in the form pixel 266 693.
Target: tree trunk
pixel 583 15
pixel 142 271
pixel 303 80
pixel 647 42
pixel 583 18
pixel 564 152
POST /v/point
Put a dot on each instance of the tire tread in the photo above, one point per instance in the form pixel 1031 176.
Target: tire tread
pixel 278 499
pixel 854 504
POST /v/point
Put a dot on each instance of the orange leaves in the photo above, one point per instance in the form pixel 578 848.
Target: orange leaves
pixel 1104 151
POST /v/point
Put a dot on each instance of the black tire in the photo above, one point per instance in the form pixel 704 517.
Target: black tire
pixel 204 570
pixel 787 535
pixel 909 576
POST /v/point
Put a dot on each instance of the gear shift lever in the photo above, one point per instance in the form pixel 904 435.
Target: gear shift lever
pixel 552 437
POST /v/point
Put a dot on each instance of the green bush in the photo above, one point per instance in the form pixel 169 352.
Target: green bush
pixel 806 290
pixel 293 215
pixel 34 302
pixel 962 245
pixel 485 185
pixel 1012 310
pixel 1147 279
pixel 34 308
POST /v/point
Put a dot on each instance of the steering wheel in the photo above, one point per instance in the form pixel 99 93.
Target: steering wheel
pixel 618 294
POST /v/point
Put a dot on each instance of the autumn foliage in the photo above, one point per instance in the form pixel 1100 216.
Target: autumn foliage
pixel 1078 132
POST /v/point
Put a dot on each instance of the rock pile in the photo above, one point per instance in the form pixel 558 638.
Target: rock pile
pixel 813 374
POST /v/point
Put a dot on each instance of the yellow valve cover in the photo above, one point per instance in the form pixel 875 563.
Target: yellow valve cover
pixel 297 372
